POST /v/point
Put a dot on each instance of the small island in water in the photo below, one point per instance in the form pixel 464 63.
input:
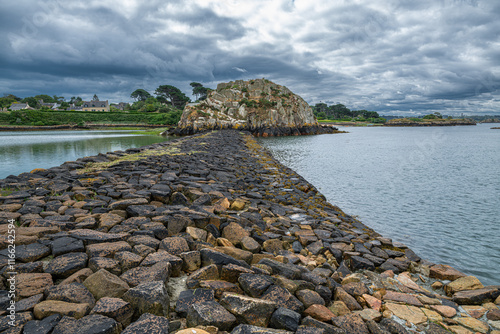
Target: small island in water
pixel 430 120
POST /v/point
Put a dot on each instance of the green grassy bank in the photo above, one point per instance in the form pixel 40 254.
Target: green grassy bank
pixel 43 118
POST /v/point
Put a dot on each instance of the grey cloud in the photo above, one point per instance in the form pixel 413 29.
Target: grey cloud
pixel 403 56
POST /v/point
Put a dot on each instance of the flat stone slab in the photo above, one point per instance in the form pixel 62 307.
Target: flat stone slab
pixel 209 313
pixel 93 237
pixel 108 249
pixel 409 313
pixel 402 298
pixel 50 307
pixel 71 293
pixel 445 272
pixel 477 297
pixel 248 310
pixel 31 252
pixel 28 285
pixel 94 323
pixel 138 275
pixel 67 264
pixel 65 245
pixel 190 297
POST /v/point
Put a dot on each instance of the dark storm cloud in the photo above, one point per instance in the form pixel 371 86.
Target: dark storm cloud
pixel 393 57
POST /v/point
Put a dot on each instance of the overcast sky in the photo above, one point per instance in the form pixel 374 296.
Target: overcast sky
pixel 394 57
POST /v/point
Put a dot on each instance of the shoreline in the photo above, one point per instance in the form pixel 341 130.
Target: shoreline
pixel 76 127
pixel 234 220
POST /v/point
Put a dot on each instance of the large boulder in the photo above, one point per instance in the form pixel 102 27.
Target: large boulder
pixel 260 106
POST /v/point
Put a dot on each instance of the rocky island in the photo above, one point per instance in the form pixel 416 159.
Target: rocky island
pixel 428 122
pixel 259 106
pixel 210 234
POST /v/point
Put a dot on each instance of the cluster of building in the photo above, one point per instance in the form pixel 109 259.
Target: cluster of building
pixel 85 106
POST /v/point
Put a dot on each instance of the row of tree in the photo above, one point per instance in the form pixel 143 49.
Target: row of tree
pixel 167 97
pixel 339 111
pixel 167 94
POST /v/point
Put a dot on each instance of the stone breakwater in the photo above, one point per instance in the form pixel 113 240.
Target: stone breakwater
pixel 210 234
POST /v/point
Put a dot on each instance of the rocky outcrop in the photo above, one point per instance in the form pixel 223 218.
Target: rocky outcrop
pixel 214 233
pixel 259 106
pixel 428 122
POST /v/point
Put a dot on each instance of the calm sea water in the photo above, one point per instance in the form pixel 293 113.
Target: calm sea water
pixel 24 151
pixel 435 189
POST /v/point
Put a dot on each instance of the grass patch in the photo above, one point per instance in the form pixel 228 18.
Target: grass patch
pixel 6 191
pixel 98 166
pixel 172 150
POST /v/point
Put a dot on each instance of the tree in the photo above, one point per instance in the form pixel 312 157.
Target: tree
pixel 140 95
pixel 340 111
pixel 173 95
pixel 45 98
pixel 320 107
pixel 7 100
pixel 58 99
pixel 76 101
pixel 31 101
pixel 368 114
pixel 95 98
pixel 199 91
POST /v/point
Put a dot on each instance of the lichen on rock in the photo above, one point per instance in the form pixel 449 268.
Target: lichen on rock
pixel 259 106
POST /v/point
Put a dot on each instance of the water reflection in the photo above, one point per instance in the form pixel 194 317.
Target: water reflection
pixel 24 151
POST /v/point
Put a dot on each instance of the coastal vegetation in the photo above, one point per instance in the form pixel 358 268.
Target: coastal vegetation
pixel 339 113
pixel 163 109
pixel 44 118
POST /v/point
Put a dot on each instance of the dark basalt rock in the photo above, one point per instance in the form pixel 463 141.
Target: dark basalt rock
pixel 210 256
pixel 283 298
pixel 209 313
pixel 255 285
pixel 148 323
pixel 287 270
pixel 90 324
pixel 392 326
pixel 65 245
pixel 29 253
pixel 158 272
pixel 93 237
pixel 150 297
pixel 328 329
pixel 359 263
pixel 284 318
pixel 175 245
pixel 71 293
pixel 44 326
pixel 67 264
pixel 190 297
pixel 115 308
pixel 351 323
pixel 477 297
pixel 27 304
pixel 20 320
